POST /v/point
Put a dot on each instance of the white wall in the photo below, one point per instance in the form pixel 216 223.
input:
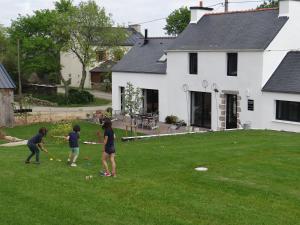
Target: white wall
pixel 143 81
pixel 212 67
pixel 72 66
pixel 269 112
pixel 286 40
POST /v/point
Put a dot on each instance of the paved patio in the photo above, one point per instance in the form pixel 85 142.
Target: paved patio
pixel 162 128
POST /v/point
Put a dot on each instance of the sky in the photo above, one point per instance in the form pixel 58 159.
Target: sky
pixel 123 12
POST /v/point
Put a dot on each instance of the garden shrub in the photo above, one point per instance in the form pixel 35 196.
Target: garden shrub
pixel 171 119
pixel 80 97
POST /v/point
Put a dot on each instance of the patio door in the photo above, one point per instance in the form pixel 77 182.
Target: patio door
pixel 151 101
pixel 201 109
pixel 231 111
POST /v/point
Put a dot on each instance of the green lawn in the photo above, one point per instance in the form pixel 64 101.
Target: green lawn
pixel 253 179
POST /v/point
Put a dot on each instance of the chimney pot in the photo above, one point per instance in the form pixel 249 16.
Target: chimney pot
pixel 146 37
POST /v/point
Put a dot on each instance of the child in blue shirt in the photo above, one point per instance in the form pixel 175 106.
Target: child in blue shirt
pixel 73 139
pixel 35 145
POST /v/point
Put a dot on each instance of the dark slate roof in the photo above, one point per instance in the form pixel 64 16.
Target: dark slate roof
pixel 5 80
pixel 246 30
pixel 133 37
pixel 104 67
pixel 286 78
pixel 144 58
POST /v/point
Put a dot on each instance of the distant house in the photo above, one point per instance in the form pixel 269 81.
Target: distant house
pixel 71 67
pixel 224 71
pixel 7 87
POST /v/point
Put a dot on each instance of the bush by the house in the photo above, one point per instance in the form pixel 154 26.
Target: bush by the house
pixel 171 119
pixel 80 97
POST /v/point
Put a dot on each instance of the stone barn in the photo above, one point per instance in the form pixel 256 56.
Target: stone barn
pixel 7 87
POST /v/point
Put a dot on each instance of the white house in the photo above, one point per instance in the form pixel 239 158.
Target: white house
pixel 225 71
pixel 72 68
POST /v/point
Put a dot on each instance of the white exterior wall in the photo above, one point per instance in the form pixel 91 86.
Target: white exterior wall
pixel 71 67
pixel 143 81
pixel 286 40
pixel 269 112
pixel 212 67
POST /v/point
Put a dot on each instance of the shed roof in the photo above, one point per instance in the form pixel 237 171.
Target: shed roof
pixel 5 80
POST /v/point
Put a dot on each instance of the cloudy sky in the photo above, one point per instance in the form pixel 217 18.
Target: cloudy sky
pixel 123 11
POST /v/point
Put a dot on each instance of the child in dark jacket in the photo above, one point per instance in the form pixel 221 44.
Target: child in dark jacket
pixel 74 145
pixel 109 150
pixel 35 145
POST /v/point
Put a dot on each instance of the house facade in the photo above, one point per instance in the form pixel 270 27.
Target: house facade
pixel 7 87
pixel 226 70
pixel 72 68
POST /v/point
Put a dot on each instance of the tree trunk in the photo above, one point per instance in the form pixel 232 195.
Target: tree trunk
pixel 66 84
pixel 83 78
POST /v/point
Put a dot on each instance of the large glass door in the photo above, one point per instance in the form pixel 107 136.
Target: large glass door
pixel 151 101
pixel 231 112
pixel 201 109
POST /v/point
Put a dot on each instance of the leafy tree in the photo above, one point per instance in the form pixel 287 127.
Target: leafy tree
pixel 8 53
pixel 118 53
pixel 42 37
pixel 177 21
pixel 90 26
pixel 133 100
pixel 39 53
pixel 269 4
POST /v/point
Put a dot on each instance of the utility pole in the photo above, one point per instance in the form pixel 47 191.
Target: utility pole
pixel 226 5
pixel 19 71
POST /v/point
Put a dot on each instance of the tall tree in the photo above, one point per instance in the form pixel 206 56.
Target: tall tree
pixel 177 21
pixel 90 26
pixel 42 37
pixel 39 53
pixel 8 53
pixel 269 4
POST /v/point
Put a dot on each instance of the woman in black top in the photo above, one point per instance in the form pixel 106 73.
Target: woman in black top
pixel 108 149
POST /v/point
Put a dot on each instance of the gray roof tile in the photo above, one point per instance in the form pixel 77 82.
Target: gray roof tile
pixel 144 58
pixel 286 78
pixel 5 80
pixel 248 30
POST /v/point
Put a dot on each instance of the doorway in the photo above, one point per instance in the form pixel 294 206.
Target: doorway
pixel 201 109
pixel 231 111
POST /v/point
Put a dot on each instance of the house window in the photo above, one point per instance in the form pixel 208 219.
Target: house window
pixel 289 111
pixel 101 55
pixel 232 64
pixel 251 105
pixel 193 63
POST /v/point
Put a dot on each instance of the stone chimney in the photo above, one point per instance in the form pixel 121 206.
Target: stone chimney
pixel 289 8
pixel 136 27
pixel 197 12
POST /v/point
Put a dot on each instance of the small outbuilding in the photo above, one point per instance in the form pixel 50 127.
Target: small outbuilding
pixel 7 87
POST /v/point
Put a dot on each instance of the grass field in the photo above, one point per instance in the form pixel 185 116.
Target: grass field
pixel 253 179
